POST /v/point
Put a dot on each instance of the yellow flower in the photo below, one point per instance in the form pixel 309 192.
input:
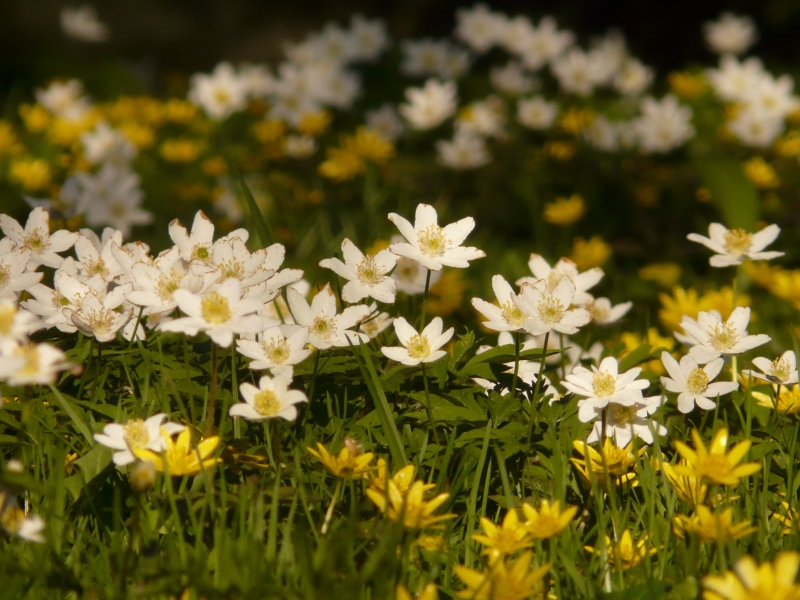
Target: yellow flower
pixel 789 144
pixel 429 592
pixel 346 464
pixel 179 458
pixel 179 111
pixel 447 294
pixel 748 581
pixel 561 151
pixel 33 174
pixel 180 150
pixel 549 521
pixel 788 401
pixel 786 285
pixel 791 521
pixel 565 211
pixel 688 85
pixel 587 255
pixel 369 145
pixel 341 164
pixel 402 480
pixel 411 506
pixel 711 527
pixel 674 308
pixel 665 274
pixel 269 132
pixel 575 120
pixel 8 138
pixel 214 166
pixel 35 117
pixel 722 301
pixel 629 554
pixel 715 464
pixel 66 132
pixel 315 123
pixel 760 173
pixel 689 489
pixel 512 580
pixel 618 461
pixel 432 543
pixel 508 539
pixel 140 136
pixel 761 272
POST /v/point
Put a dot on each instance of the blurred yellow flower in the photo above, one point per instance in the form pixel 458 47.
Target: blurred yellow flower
pixel 139 135
pixel 180 458
pixel 665 274
pixel 35 117
pixel 180 150
pixel 447 294
pixel 432 543
pixel 180 111
pixel 549 521
pixel 703 194
pixel 587 255
pixel 575 120
pixel 748 581
pixel 791 521
pixel 715 464
pixel 33 174
pixel 788 401
pixel 624 552
pixel 760 173
pixel 722 301
pixel 66 132
pixel 315 124
pixel 786 285
pixel 429 592
pixel 688 85
pixel 8 138
pixel 410 506
pixel 761 272
pixel 689 489
pixel 788 145
pixel 505 540
pixel 369 145
pixel 511 580
pixel 269 132
pixel 214 166
pixel 708 526
pixel 565 211
pixel 341 164
pixel 618 462
pixel 559 150
pixel 687 303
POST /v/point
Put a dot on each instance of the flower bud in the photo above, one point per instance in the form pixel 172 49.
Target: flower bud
pixel 142 476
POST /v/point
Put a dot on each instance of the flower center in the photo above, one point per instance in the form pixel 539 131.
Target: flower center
pixel 36 241
pixel 722 337
pixel 31 356
pixel 201 252
pixel 5 274
pixel 215 308
pixel 419 346
pixel 513 315
pixel 738 241
pixel 604 384
pixel 167 284
pixel 322 327
pixel 406 270
pixel 368 271
pixel 233 269
pixel 135 433
pixel 697 381
pixel 266 403
pixel 100 320
pixel 780 368
pixel 432 240
pixel 277 351
pixel 550 309
pixel 12 519
pixel 712 464
pixel 222 96
pixel 622 415
pixel 98 268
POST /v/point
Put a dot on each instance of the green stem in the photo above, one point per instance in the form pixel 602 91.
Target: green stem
pixel 329 514
pixel 212 393
pixel 517 336
pixel 538 387
pixel 425 300
pixel 428 402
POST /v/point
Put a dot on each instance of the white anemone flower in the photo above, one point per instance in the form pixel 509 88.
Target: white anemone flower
pixel 27 527
pixel 30 364
pixel 732 246
pixel 693 384
pixel 326 328
pixel 604 313
pixel 95 255
pixel 197 244
pixel 102 316
pixel 422 347
pixel 603 386
pixel 563 268
pixel 781 371
pixel 36 237
pixel 154 285
pixel 134 434
pixel 625 422
pixel 433 246
pixel 16 323
pixel 712 338
pixel 506 317
pixel 276 351
pixel 221 313
pixel 731 34
pixel 377 322
pixel 230 259
pixel 14 277
pixel 219 94
pixel 430 105
pixel 272 398
pixel 549 310
pixel 367 275
pixel 81 23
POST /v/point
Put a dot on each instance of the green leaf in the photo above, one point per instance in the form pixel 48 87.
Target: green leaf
pixel 79 423
pixel 731 190
pixel 262 228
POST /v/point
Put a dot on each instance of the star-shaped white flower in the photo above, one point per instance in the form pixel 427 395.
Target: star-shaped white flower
pixel 603 386
pixel 367 275
pixel 30 364
pixel 154 285
pixel 732 246
pixel 272 398
pixel 197 244
pixel 326 328
pixel 433 246
pixel 276 350
pixel 603 313
pixel 563 268
pixel 693 384
pixel 712 338
pixel 102 316
pixel 36 236
pixel 14 277
pixel 625 422
pixel 136 433
pixel 16 323
pixel 422 347
pixel 781 371
pixel 549 310
pixel 506 317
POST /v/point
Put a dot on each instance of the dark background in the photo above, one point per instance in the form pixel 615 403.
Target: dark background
pixel 158 42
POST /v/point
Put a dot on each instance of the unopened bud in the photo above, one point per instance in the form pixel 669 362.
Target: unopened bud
pixel 142 476
pixel 353 446
pixel 15 466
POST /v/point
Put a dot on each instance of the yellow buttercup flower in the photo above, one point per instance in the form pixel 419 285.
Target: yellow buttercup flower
pixel 787 402
pixel 341 164
pixel 687 303
pixel 315 124
pixel 410 507
pixel 761 272
pixel 179 111
pixel 505 540
pixel 139 135
pixel 66 132
pixel 688 85
pixel 575 120
pixel 760 173
pixel 447 294
pixel 665 274
pixel 625 551
pixel 33 174
pixel 789 144
pixel 791 521
pixel 786 285
pixel 269 132
pixel 512 580
pixel 8 138
pixel 618 462
pixel 346 464
pixel 689 489
pixel 722 301
pixel 35 117
pixel 180 150
pixel 565 211
pixel 749 581
pixel 179 458
pixel 708 526
pixel 715 464
pixel 432 543
pixel 549 521
pixel 560 150
pixel 429 592
pixel 589 254
pixel 369 145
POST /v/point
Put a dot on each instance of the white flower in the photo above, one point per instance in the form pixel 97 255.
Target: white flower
pixel 14 520
pixel 433 246
pixel 154 284
pixel 269 400
pixel 781 371
pixel 604 134
pixel 563 268
pixel 369 38
pixel 198 244
pixel 536 113
pixel 604 385
pixel 624 422
pixel 278 349
pixel 575 72
pixel 65 100
pixel 135 434
pixel 692 382
pixel 506 317
pixel 105 144
pixel 730 34
pixel 95 255
pixel 385 121
pixel 30 364
pixel 326 328
pixel 67 295
pixel 754 129
pixel 433 57
pixel 81 23
pixel 423 347
pixel 664 125
pixel 605 314
pixel 102 317
pixel 479 27
pixel 230 259
pixel 772 98
pixel 221 313
pixel 300 146
pixel 430 105
pixel 548 310
pixel 732 246
pixel 367 275
pixel 713 338
pixel 14 277
pixel 545 44
pixel 36 237
pixel 633 78
pixel 483 118
pixel 112 196
pixel 734 80
pixel 464 151
pixel 376 323
pixel 219 94
pixel 16 324
pixel 409 275
pixel 511 79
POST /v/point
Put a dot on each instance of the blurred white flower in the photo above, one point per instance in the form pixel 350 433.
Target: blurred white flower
pixel 385 121
pixel 65 100
pixel 536 112
pixel 603 313
pixel 300 146
pixel 664 125
pixel 81 23
pixel 437 58
pixel 575 72
pixel 633 78
pixel 219 94
pixel 479 27
pixel 376 323
pixel 105 144
pixel 730 34
pixel 16 324
pixel 465 151
pixel 30 364
pixel 733 80
pixel 430 105
pixel 112 196
pixel 511 79
pixel 484 118
pixel 136 433
pixel 563 268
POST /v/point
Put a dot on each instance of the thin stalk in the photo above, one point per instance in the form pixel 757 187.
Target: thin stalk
pixel 329 514
pixel 428 403
pixel 212 393
pixel 425 300
pixel 517 336
pixel 538 387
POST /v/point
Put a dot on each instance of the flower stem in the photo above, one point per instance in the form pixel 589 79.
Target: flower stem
pixel 212 393
pixel 517 336
pixel 538 387
pixel 428 402
pixel 425 299
pixel 329 514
